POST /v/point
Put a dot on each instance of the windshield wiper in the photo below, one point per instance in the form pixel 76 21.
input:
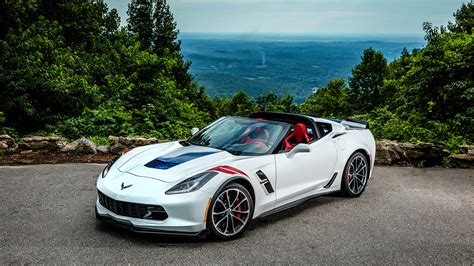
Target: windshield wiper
pixel 185 143
pixel 234 152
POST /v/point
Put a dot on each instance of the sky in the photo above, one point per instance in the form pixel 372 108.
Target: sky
pixel 354 17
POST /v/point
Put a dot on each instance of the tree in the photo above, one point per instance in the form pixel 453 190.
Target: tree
pixel 41 79
pixel 16 14
pixel 81 20
pixel 366 81
pixel 329 101
pixel 165 41
pixel 464 19
pixel 140 21
pixel 431 33
pixel 242 105
pixel 111 21
pixel 271 102
pixel 165 33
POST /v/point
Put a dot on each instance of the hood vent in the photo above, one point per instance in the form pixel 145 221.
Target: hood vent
pixel 159 164
pixel 164 163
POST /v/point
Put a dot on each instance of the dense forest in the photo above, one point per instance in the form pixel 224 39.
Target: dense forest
pixel 68 68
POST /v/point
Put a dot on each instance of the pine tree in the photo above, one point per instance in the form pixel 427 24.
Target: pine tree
pixel 165 33
pixel 165 41
pixel 464 19
pixel 140 21
pixel 111 21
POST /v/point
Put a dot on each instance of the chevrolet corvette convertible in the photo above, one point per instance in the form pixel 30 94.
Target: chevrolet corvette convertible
pixel 233 171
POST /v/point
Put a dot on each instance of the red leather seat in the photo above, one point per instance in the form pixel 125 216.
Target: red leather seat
pixel 256 135
pixel 299 135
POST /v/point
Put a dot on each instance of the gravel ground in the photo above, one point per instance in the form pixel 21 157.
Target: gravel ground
pixel 405 216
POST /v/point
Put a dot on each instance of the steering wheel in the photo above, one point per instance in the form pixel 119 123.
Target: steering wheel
pixel 260 143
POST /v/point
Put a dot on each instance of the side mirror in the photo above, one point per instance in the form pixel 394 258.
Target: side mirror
pixel 302 147
pixel 194 130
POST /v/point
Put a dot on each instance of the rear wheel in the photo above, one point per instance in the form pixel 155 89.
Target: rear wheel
pixel 355 176
pixel 231 212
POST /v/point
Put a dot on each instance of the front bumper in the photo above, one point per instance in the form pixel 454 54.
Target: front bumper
pixel 186 212
pixel 126 224
pixel 170 226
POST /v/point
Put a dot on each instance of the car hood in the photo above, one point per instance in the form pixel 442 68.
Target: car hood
pixel 172 162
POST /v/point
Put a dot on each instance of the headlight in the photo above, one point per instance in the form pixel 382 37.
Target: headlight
pixel 107 168
pixel 192 183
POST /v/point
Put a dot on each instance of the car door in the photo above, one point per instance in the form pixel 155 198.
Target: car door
pixel 301 171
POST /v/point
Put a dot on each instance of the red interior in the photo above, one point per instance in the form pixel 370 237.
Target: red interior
pixel 299 135
pixel 258 135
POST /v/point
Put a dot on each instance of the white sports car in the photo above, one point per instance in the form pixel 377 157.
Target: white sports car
pixel 232 171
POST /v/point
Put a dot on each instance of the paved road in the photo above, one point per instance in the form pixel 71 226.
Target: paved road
pixel 406 215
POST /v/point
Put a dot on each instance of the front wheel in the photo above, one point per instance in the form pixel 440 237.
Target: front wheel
pixel 231 212
pixel 355 176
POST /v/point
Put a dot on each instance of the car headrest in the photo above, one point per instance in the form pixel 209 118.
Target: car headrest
pixel 301 133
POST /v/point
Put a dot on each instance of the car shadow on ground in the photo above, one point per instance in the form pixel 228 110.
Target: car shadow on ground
pixel 293 212
pixel 259 223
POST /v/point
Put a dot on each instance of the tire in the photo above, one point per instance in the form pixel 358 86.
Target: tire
pixel 355 175
pixel 227 223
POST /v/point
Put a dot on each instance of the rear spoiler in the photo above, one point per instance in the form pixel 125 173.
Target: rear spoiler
pixel 352 123
pixel 355 123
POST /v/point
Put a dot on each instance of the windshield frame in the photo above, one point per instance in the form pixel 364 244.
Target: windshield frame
pixel 279 139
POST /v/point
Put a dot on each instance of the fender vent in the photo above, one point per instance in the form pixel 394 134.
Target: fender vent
pixel 328 185
pixel 265 182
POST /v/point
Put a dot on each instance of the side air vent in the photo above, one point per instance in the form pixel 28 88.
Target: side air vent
pixel 265 182
pixel 328 185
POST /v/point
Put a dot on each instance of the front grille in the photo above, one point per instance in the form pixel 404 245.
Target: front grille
pixel 135 210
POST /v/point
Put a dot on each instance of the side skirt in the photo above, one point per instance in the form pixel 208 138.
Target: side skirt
pixel 293 204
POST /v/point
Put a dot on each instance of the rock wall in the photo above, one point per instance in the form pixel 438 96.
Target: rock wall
pixel 465 159
pixel 421 154
pixel 7 144
pixel 388 152
pixel 43 144
pixel 119 144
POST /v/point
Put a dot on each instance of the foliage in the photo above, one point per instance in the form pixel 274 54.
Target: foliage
pixel 464 19
pixel 367 80
pixel 425 95
pixel 165 38
pixel 96 82
pixel 140 21
pixel 271 102
pixel 67 69
pixel 42 80
pixel 331 101
pixel 100 140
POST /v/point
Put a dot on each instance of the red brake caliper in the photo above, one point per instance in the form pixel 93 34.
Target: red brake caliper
pixel 351 172
pixel 239 207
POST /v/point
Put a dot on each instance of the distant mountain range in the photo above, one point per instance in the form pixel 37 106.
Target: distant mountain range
pixel 292 64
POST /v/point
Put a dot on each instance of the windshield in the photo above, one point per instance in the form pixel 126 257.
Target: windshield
pixel 241 135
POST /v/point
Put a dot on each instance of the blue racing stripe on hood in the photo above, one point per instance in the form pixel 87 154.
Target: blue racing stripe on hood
pixel 165 163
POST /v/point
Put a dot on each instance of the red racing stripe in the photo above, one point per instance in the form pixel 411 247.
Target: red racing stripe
pixel 235 170
pixel 222 170
pixel 228 170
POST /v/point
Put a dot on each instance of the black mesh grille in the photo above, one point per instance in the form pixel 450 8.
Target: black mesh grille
pixel 134 210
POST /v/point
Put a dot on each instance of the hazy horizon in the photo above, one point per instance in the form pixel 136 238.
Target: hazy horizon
pixel 305 37
pixel 308 17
